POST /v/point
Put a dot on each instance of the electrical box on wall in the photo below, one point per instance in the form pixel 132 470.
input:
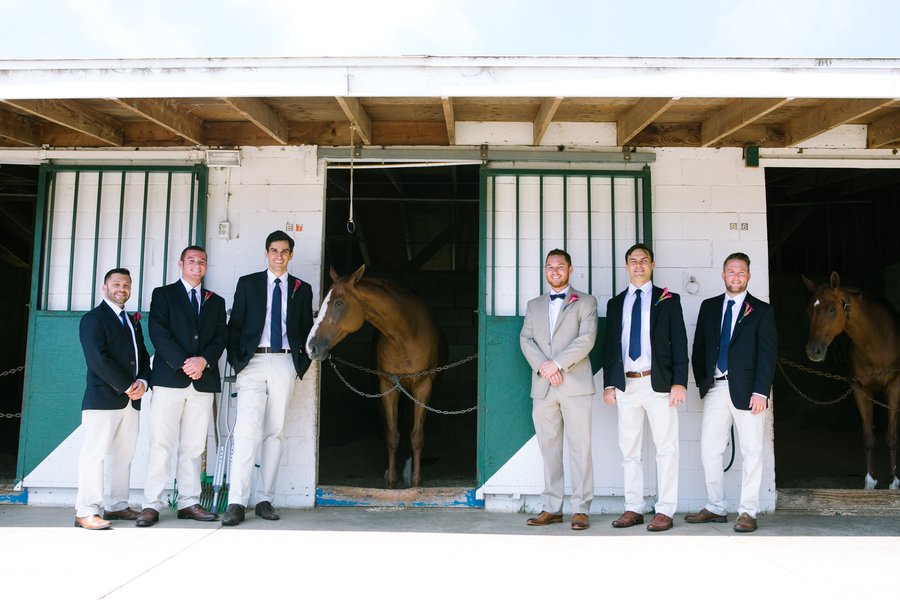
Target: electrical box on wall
pixel 225 230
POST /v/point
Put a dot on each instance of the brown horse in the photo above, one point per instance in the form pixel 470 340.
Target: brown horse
pixel 408 341
pixel 873 327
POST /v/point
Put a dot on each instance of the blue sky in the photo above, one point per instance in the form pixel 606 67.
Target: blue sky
pixel 212 28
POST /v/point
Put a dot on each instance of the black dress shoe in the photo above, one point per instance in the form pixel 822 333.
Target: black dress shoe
pixel 234 514
pixel 265 510
pixel 147 518
pixel 126 514
pixel 197 513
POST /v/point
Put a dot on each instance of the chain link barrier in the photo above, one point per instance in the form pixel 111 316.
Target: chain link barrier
pixel 395 379
pixel 17 415
pixel 848 380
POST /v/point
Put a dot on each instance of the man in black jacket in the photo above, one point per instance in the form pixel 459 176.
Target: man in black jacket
pixel 270 321
pixel 118 368
pixel 187 328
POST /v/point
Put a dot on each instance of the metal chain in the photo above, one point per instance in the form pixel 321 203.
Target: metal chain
pixel 11 371
pixel 395 379
pixel 11 415
pixel 849 380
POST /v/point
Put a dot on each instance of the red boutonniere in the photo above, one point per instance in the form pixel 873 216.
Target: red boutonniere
pixel 572 298
pixel 747 310
pixel 664 296
pixel 135 317
pixel 296 287
pixel 207 295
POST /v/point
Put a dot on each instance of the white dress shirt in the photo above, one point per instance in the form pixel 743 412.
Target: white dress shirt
pixel 265 340
pixel 643 362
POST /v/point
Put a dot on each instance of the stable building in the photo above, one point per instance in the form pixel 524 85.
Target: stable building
pixel 453 176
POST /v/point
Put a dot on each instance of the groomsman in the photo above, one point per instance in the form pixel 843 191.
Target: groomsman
pixel 557 335
pixel 270 321
pixel 645 372
pixel 734 353
pixel 187 328
pixel 118 368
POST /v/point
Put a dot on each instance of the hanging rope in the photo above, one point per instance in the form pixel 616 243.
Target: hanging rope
pixel 351 226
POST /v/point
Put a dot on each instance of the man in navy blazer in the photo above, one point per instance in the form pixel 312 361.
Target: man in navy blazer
pixel 270 321
pixel 118 369
pixel 645 359
pixel 735 348
pixel 187 328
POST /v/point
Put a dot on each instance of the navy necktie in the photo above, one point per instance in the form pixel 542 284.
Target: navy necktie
pixel 123 318
pixel 194 304
pixel 561 296
pixel 725 339
pixel 275 330
pixel 634 341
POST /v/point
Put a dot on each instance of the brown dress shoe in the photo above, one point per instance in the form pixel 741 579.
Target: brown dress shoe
pixel 93 522
pixel 660 522
pixel 265 510
pixel 628 519
pixel 745 524
pixel 544 518
pixel 197 513
pixel 580 521
pixel 126 514
pixel 705 516
pixel 147 518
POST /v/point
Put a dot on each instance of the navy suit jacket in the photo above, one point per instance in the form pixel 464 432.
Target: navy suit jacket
pixel 751 353
pixel 178 335
pixel 668 343
pixel 109 354
pixel 248 318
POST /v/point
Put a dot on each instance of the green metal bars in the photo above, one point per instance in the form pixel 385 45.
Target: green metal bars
pixel 594 215
pixel 91 221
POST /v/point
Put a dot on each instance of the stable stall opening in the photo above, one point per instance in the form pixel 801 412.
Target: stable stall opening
pixel 822 220
pixel 417 226
pixel 18 198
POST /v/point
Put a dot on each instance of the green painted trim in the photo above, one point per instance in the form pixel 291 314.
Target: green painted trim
pixel 590 239
pixel 165 265
pixel 517 246
pixel 121 220
pixel 648 206
pixel 96 236
pixel 612 213
pixel 201 172
pixel 143 240
pixel 72 244
pixel 481 438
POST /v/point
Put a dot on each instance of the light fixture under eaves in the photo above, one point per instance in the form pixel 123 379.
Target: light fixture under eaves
pixel 223 158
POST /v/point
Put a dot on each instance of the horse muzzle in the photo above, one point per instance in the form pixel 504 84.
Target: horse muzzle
pixel 316 351
pixel 816 351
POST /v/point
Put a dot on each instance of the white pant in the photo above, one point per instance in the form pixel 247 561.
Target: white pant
pixel 264 389
pixel 556 416
pixel 637 400
pixel 182 415
pixel 110 437
pixel 718 415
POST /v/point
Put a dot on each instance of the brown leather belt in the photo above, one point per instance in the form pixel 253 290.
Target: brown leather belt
pixel 637 374
pixel 267 350
pixel 722 378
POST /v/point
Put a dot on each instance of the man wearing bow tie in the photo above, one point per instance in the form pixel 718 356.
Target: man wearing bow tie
pixel 270 321
pixel 734 353
pixel 645 372
pixel 187 328
pixel 557 335
pixel 118 368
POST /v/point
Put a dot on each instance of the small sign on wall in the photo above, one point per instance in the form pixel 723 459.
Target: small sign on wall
pixel 291 227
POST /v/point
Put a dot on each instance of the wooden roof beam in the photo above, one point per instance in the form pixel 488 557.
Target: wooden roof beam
pixel 828 116
pixel 263 116
pixel 19 128
pixel 449 119
pixel 639 116
pixel 544 117
pixel 73 116
pixel 168 115
pixel 884 132
pixel 357 116
pixel 737 115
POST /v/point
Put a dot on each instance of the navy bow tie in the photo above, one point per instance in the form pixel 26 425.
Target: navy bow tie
pixel 561 296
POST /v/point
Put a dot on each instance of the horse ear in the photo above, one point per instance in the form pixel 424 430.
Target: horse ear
pixel 812 287
pixel 835 280
pixel 334 274
pixel 358 274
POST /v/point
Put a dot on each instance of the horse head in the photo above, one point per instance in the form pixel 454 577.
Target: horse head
pixel 828 310
pixel 342 313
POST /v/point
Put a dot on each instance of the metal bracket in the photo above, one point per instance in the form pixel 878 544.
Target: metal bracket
pixel 357 150
pixel 626 153
pixel 483 150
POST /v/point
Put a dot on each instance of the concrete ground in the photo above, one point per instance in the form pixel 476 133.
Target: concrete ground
pixel 443 553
